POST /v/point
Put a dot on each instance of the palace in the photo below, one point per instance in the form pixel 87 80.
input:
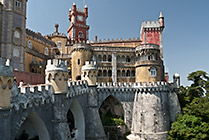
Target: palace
pixel 70 81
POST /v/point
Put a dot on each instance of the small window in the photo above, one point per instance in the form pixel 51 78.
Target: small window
pixel 18 3
pixel 153 71
pixel 80 34
pixel 79 62
pixel 59 43
pixel 29 44
pixel 17 34
pixel 46 51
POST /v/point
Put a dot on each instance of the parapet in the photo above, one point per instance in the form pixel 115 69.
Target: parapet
pixel 81 46
pixel 89 65
pixel 6 68
pixel 147 46
pixel 133 87
pixel 117 40
pixel 150 24
pixel 77 88
pixel 31 96
pixel 56 65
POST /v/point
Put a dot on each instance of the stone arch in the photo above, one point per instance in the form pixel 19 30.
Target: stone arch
pixel 75 115
pixel 111 113
pixel 99 73
pixel 33 127
pixel 109 58
pixel 104 58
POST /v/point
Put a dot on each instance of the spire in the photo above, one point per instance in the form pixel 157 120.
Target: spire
pixel 161 15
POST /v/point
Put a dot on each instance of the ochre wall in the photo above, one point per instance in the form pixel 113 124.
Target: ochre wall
pixel 83 55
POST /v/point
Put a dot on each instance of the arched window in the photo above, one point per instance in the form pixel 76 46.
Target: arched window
pixel 109 59
pixel 133 73
pixel 104 57
pixel 59 43
pixel 128 59
pixel 109 73
pixel 153 72
pixel 100 73
pixel 80 34
pixel 79 62
pixel 118 58
pixel 104 73
pixel 18 3
pixel 99 58
pixel 46 51
pixel 29 44
pixel 17 33
pixel 123 73
pixel 128 74
pixel 118 73
pixel 123 59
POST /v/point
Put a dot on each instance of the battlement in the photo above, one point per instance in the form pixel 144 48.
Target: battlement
pixel 132 87
pixel 76 88
pixel 6 68
pixel 56 65
pixel 147 46
pixel 150 24
pixel 81 46
pixel 89 65
pixel 121 40
pixel 31 96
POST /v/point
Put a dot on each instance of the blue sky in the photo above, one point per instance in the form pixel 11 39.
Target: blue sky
pixel 185 38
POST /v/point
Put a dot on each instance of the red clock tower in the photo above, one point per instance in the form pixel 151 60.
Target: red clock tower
pixel 78 30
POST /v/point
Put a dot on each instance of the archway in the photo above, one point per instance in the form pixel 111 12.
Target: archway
pixel 33 128
pixel 112 117
pixel 75 119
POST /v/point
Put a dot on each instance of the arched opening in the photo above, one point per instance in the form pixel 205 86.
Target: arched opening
pixel 109 59
pixel 133 73
pixel 33 128
pixel 100 73
pixel 128 59
pixel 99 58
pixel 104 73
pixel 112 115
pixel 75 119
pixel 118 73
pixel 123 73
pixel 104 58
pixel 128 74
pixel 78 77
pixel 109 73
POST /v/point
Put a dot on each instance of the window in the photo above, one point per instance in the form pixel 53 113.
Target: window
pixel 17 34
pixel 59 43
pixel 109 59
pixel 29 44
pixel 18 3
pixel 80 34
pixel 46 51
pixel 153 71
pixel 79 62
pixel 16 52
pixel 109 73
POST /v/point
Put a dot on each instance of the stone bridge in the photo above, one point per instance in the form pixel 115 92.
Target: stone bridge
pixel 62 110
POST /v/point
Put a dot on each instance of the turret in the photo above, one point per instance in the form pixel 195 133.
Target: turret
pixel 57 75
pixel 161 19
pixel 6 82
pixel 149 65
pixel 78 30
pixel 176 80
pixel 90 72
pixel 80 53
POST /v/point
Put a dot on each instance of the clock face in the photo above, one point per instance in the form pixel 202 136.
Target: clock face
pixel 80 18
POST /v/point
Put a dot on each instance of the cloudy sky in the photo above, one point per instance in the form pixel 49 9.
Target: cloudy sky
pixel 185 38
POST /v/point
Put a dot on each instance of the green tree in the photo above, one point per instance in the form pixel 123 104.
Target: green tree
pixel 189 127
pixel 193 124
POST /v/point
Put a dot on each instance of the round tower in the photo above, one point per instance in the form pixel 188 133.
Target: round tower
pixel 149 65
pixel 90 72
pixel 80 53
pixel 57 75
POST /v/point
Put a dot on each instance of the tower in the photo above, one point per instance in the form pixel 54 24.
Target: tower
pixel 78 30
pixel 57 75
pixel 80 53
pixel 13 15
pixel 90 72
pixel 151 32
pixel 149 65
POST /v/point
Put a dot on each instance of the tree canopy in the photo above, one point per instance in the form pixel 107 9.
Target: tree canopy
pixel 193 124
